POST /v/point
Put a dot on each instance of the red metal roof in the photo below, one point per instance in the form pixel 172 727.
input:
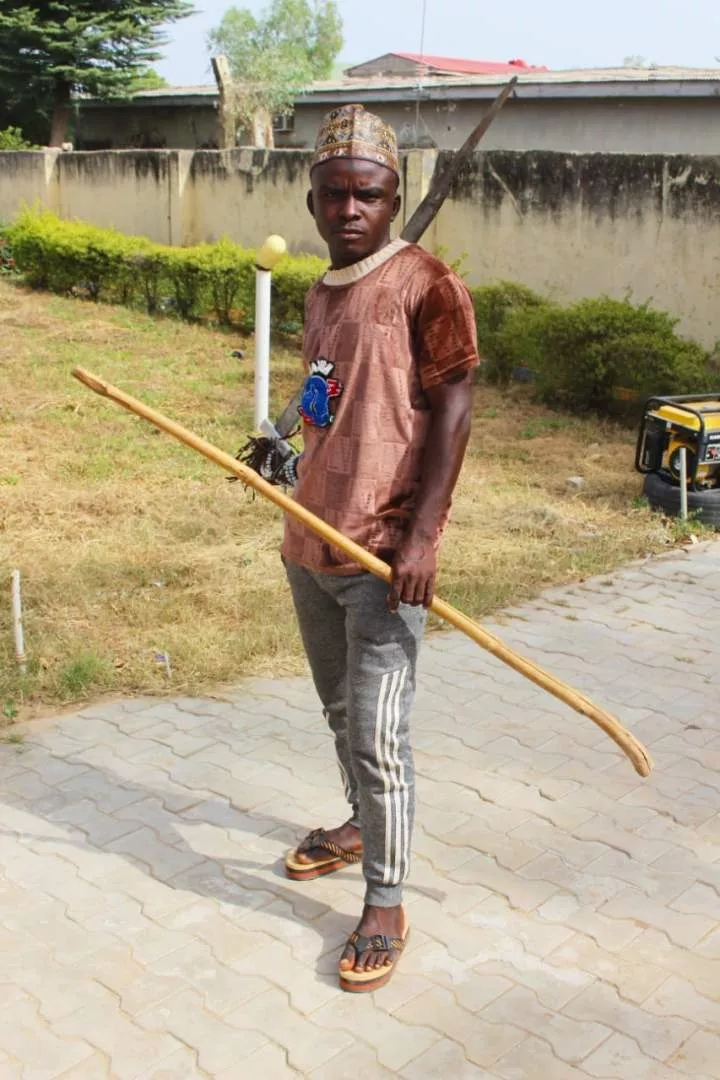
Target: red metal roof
pixel 469 67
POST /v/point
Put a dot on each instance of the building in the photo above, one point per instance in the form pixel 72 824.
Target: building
pixel 666 110
pixel 412 65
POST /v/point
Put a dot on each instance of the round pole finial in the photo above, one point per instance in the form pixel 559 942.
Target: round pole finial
pixel 271 252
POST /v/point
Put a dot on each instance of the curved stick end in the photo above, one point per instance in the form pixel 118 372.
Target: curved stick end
pixel 87 377
pixel 644 766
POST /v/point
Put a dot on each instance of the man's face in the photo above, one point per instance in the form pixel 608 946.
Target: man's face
pixel 353 203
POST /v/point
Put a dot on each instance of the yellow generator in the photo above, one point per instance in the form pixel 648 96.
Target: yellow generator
pixel 670 424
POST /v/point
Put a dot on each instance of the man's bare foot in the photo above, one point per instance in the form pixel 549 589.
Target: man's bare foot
pixel 375 920
pixel 347 837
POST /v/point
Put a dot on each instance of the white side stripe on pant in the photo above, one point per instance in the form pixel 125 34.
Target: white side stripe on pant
pixel 392 771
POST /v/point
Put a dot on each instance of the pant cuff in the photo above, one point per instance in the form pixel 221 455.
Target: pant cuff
pixel 383 895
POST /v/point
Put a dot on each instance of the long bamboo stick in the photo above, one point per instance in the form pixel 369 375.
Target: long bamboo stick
pixel 627 742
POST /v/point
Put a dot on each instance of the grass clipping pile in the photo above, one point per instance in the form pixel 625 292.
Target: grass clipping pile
pixel 133 550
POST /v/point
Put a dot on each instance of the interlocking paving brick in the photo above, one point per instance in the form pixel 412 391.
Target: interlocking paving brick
pixel 444 1059
pixel 676 997
pixel 217 1043
pixel 182 1065
pixel 565 913
pixel 269 1062
pixel 395 1041
pixel 656 1037
pixel 570 1039
pixel 620 1057
pixel 130 1049
pixel 96 1067
pixel 482 1042
pixel 682 929
pixel 308 1044
pixel 633 978
pixel 533 1059
pixel 700 1056
pixel 44 1053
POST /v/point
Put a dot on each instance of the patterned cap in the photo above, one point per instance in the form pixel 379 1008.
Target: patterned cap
pixel 352 132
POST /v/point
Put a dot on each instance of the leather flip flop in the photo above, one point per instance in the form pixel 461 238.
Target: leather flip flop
pixel 364 982
pixel 336 859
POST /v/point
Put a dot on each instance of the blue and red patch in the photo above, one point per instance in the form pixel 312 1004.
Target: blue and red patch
pixel 319 390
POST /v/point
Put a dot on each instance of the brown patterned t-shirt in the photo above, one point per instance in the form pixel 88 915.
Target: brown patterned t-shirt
pixel 377 334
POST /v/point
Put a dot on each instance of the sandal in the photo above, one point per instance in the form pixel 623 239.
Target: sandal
pixel 363 982
pixel 337 858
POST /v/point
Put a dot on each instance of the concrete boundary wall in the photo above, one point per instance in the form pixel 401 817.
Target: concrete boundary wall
pixel 569 224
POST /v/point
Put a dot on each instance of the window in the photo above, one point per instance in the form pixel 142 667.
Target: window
pixel 284 122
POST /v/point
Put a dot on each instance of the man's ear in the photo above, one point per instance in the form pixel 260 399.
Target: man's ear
pixel 397 203
pixel 309 203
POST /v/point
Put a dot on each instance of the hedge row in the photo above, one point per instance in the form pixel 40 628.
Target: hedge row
pixel 578 355
pixel 216 280
pixel 591 354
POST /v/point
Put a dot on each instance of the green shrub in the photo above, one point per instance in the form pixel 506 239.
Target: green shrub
pixel 292 279
pixel 182 268
pixel 229 276
pixel 494 306
pixel 217 279
pixel 7 258
pixel 66 256
pixel 12 138
pixel 582 353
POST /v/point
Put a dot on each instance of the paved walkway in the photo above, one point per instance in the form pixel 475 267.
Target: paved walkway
pixel 566 914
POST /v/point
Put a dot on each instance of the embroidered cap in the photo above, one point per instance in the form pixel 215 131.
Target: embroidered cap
pixel 352 132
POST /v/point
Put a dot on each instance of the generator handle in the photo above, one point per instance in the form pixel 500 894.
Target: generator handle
pixel 679 402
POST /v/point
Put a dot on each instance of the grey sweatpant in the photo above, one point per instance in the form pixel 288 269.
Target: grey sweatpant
pixel 363 663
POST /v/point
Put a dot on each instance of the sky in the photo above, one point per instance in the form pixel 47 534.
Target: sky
pixel 557 33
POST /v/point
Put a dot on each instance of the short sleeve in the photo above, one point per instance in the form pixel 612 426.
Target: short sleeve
pixel 445 331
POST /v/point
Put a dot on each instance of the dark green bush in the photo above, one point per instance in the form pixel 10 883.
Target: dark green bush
pixel 7 259
pixel 584 353
pixel 494 305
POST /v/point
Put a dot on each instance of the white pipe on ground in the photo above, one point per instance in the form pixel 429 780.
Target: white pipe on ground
pixel 683 484
pixel 17 622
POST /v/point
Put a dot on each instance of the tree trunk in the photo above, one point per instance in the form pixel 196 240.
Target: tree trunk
pixel 263 136
pixel 61 112
pixel 226 104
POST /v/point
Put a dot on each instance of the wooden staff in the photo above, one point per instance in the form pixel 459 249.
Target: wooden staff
pixel 627 742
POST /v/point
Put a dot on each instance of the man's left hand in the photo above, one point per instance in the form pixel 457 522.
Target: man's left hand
pixel 414 570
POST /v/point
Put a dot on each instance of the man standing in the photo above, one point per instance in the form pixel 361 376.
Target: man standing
pixel 389 347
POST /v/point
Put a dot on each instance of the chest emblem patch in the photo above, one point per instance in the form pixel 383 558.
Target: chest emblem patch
pixel 320 388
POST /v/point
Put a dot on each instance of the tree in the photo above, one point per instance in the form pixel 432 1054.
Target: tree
pixel 12 138
pixel 148 79
pixel 273 57
pixel 61 47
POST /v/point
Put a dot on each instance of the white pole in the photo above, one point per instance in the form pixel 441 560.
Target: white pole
pixel 17 622
pixel 263 280
pixel 683 484
pixel 273 249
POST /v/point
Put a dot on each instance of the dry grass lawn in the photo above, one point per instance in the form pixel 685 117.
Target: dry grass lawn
pixel 130 545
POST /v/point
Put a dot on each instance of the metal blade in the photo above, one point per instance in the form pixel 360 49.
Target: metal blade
pixel 288 420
